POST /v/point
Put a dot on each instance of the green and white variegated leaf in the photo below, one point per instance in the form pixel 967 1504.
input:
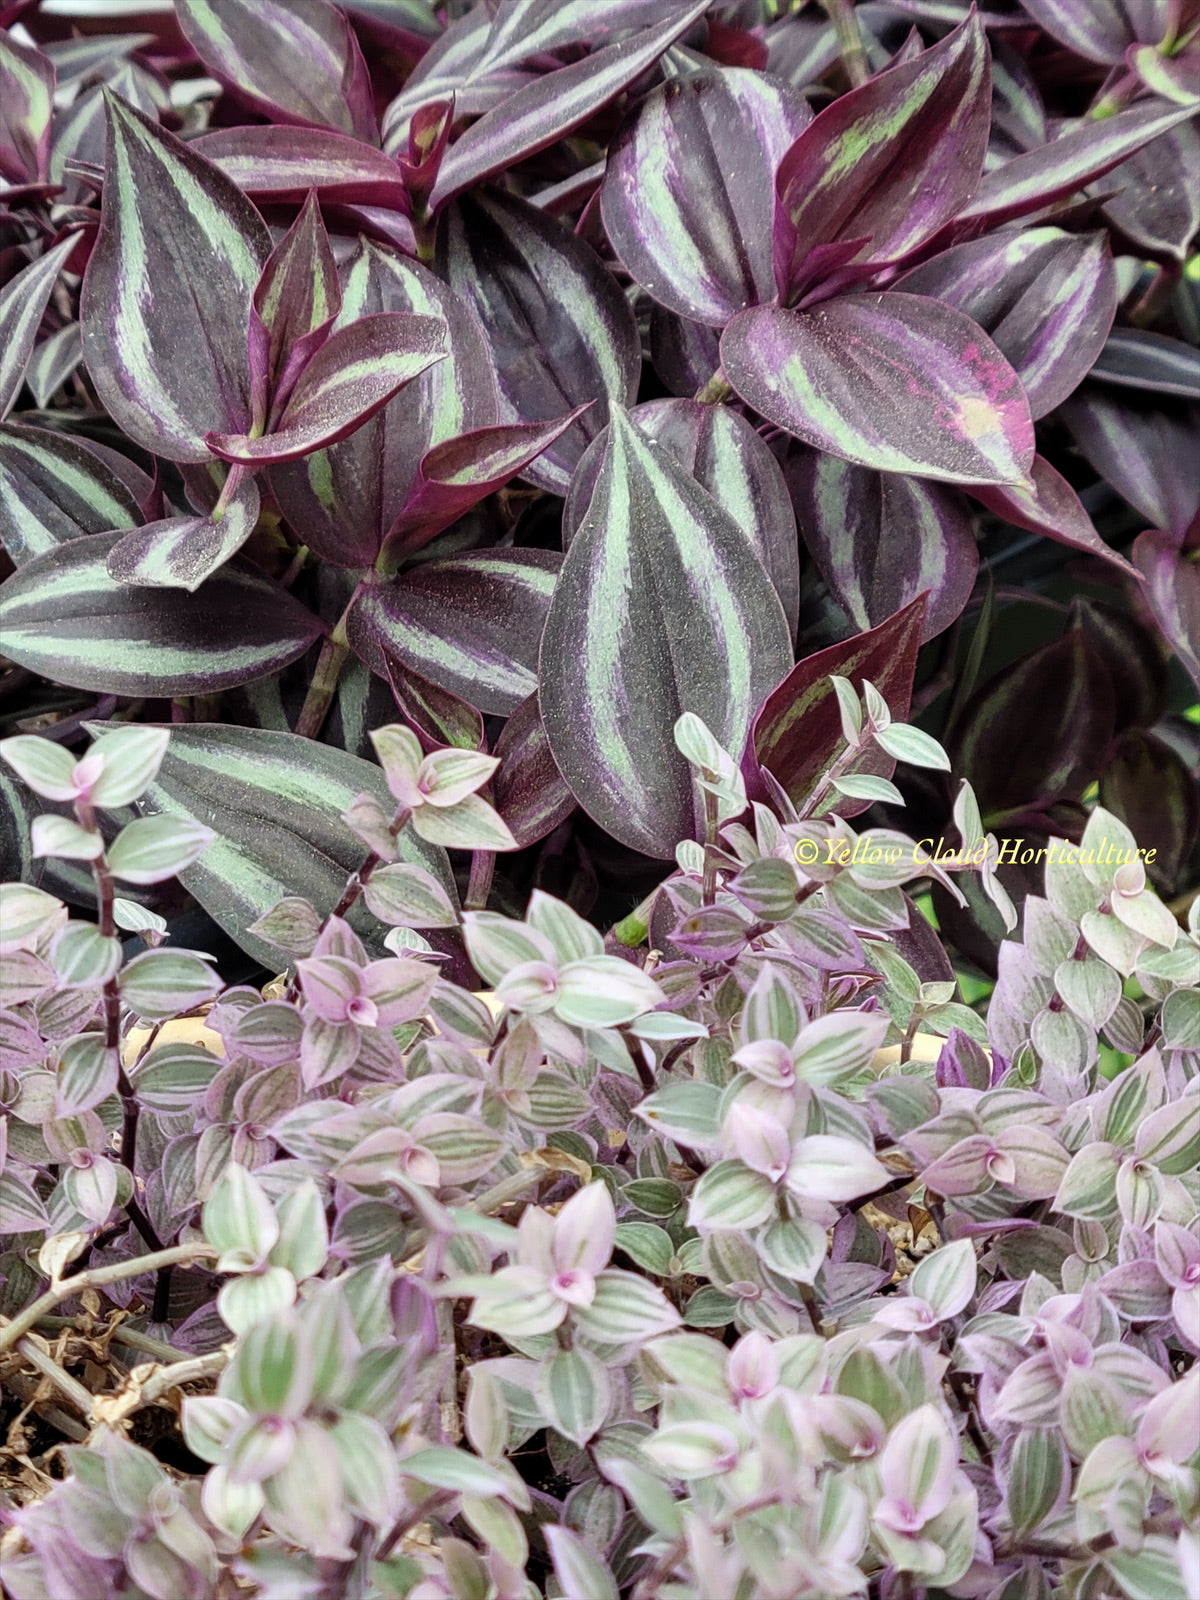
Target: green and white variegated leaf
pixel 62 616
pixel 166 983
pixel 662 607
pixel 731 1195
pixel 52 488
pixel 166 298
pixel 626 1311
pixel 274 802
pixel 582 1574
pixel 83 957
pixel 574 1392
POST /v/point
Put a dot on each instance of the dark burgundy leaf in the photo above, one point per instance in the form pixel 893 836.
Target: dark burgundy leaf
pixel 881 540
pixel 1017 761
pixel 354 373
pixel 798 732
pixel 436 716
pixel 893 381
pixel 1082 152
pixel 1047 299
pixel 888 163
pixel 53 488
pixel 540 112
pixel 297 60
pixel 457 474
pixel 1051 507
pixel 1173 594
pixel 284 163
pixel 166 299
pixel 1148 454
pixel 345 498
pixel 1149 787
pixel 688 196
pixel 528 789
pixel 728 459
pixel 1158 206
pixel 63 616
pixel 296 298
pixel 469 623
pixel 561 331
pixel 1133 358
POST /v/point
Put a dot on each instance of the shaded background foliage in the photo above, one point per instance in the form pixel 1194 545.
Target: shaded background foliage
pixel 469 235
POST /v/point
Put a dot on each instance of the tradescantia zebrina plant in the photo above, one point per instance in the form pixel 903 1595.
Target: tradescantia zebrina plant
pixel 758 1264
pixel 538 373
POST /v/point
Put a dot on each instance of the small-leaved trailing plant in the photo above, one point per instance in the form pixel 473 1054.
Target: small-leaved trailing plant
pixel 669 1270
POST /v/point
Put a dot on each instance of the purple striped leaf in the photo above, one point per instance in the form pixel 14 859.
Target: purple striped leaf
pixel 52 363
pixel 697 242
pixel 181 552
pixel 448 70
pixel 230 779
pixel 296 299
pixel 1046 298
pixel 52 489
pixel 728 459
pixel 1158 206
pixel 561 332
pixel 797 732
pixel 26 107
pixel 1133 358
pixel 1102 30
pixel 522 29
pixel 22 301
pixel 541 112
pixel 355 373
pixel 528 789
pixel 81 132
pixel 1084 151
pixel 166 298
pixel 888 163
pixel 1051 507
pixel 1174 77
pixel 880 540
pixel 895 382
pixel 436 716
pixel 294 60
pixel 63 616
pixel 685 354
pixel 1137 447
pixel 662 607
pixel 469 623
pixel 1018 111
pixel 284 163
pixel 1173 594
pixel 457 474
pixel 346 498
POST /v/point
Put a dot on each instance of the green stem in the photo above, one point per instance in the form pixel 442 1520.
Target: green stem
pixel 1114 95
pixel 334 651
pixel 712 820
pixel 105 893
pixel 715 390
pixel 849 38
